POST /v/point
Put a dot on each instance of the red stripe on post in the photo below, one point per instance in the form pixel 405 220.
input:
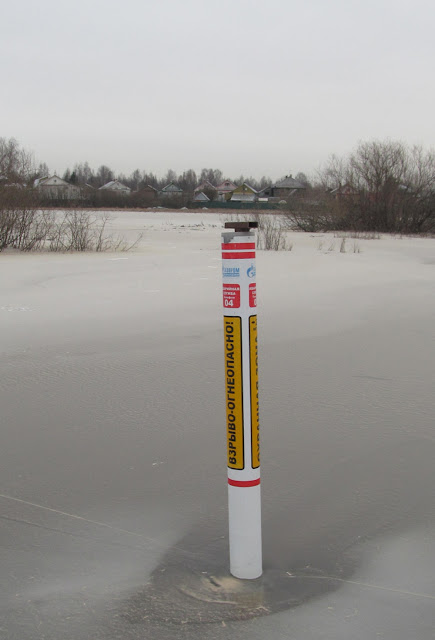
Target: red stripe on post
pixel 237 245
pixel 244 483
pixel 238 256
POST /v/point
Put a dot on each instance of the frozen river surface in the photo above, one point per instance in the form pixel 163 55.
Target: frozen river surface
pixel 113 503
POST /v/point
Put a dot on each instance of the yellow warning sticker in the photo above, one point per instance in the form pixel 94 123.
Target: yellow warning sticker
pixel 255 416
pixel 234 391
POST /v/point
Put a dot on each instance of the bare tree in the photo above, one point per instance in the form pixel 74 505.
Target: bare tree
pixel 42 171
pixel 188 181
pixel 84 173
pixel 149 179
pixel 170 176
pixel 134 180
pixel 104 175
pixel 302 178
pixel 16 164
pixel 263 183
pixel 214 176
pixel 382 186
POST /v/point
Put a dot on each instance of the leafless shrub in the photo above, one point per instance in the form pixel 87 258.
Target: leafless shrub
pixel 271 234
pixel 312 213
pixel 25 227
pixel 85 231
pixel 272 230
pixel 121 244
pixel 78 231
pixel 22 225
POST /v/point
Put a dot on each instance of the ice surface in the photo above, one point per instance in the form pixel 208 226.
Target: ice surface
pixel 113 443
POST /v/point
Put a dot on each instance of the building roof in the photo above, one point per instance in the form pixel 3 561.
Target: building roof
pixel 54 183
pixel 265 189
pixel 201 197
pixel 225 186
pixel 343 190
pixel 245 187
pixel 51 181
pixel 204 185
pixel 39 181
pixel 172 188
pixel 115 185
pixel 289 183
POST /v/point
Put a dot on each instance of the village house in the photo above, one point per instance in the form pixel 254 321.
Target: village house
pixel 286 188
pixel 54 188
pixel 343 191
pixel 171 190
pixel 205 186
pixel 145 197
pixel 243 193
pixel 224 189
pixel 148 193
pixel 116 186
pixel 208 189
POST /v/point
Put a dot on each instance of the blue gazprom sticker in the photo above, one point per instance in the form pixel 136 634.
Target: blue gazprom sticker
pixel 231 272
pixel 251 271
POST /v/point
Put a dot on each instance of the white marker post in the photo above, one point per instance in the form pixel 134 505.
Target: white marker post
pixel 241 394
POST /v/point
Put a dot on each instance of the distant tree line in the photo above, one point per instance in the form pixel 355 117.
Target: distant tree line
pixel 82 174
pixel 17 165
pixel 382 186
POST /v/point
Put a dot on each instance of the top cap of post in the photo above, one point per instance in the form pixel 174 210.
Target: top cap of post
pixel 241 226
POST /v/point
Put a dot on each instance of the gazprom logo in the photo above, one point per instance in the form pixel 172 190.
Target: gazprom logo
pixel 231 272
pixel 251 271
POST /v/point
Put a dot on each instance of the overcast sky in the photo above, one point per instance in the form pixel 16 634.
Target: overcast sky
pixel 259 88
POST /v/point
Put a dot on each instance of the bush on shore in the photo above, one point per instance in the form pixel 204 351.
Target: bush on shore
pixel 26 227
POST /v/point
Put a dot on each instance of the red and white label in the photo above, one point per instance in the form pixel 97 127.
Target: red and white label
pixel 238 250
pixel 253 295
pixel 231 296
pixel 238 246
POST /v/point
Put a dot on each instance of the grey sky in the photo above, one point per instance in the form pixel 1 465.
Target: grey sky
pixel 248 87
